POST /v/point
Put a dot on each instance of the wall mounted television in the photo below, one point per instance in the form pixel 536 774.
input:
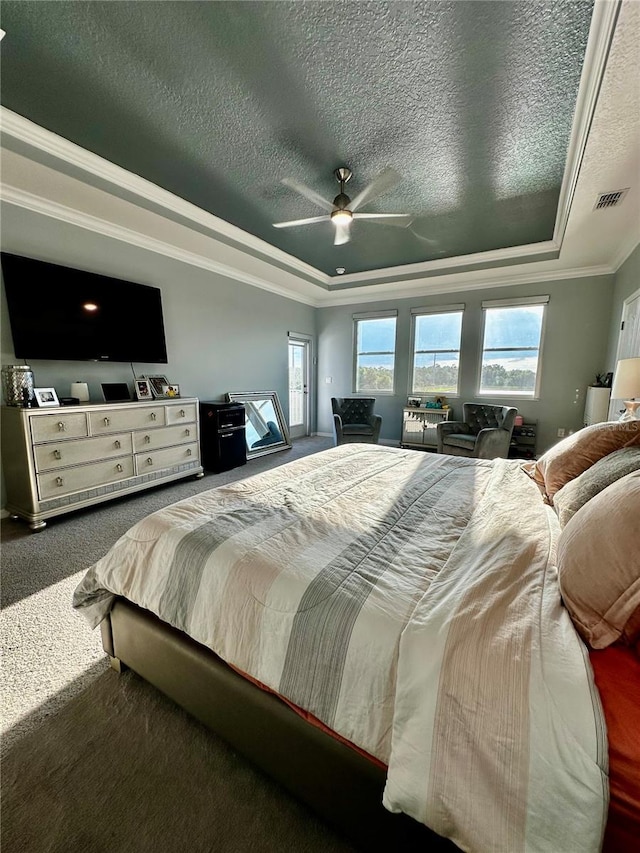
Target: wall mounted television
pixel 58 313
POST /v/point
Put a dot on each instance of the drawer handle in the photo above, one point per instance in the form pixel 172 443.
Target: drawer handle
pixel 188 451
pixel 187 431
pixel 59 481
pixel 118 467
pixel 149 460
pixel 182 413
pixel 153 416
pixel 106 421
pixel 61 426
pixel 57 454
pixel 117 444
pixel 225 426
pixel 147 439
pixel 226 435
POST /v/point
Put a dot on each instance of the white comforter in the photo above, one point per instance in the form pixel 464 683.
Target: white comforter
pixel 409 602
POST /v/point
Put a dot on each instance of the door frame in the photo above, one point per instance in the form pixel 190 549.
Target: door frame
pixel 614 409
pixel 307 342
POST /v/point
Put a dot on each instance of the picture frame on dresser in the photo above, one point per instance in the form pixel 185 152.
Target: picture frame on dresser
pixel 171 391
pixel 157 383
pixel 143 389
pixel 46 397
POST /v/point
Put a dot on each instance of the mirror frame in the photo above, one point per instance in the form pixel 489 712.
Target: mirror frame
pixel 254 396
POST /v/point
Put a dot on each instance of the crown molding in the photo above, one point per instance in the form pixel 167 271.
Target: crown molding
pixel 625 252
pixel 419 287
pixel 450 266
pixel 38 139
pixel 45 207
pixel 62 150
pixel 454 284
pixel 603 24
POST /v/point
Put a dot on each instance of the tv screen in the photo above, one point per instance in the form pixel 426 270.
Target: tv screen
pixel 59 313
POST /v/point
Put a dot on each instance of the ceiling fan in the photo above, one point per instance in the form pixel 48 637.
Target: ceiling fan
pixel 342 211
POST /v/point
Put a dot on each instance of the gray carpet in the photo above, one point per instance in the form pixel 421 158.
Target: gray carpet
pixel 93 761
pixel 50 654
pixel 121 768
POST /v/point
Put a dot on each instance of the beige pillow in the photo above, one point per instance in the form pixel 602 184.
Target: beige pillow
pixel 568 500
pixel 599 565
pixel 574 454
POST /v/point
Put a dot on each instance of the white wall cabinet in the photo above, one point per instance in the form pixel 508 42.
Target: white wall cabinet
pixel 596 409
pixel 59 459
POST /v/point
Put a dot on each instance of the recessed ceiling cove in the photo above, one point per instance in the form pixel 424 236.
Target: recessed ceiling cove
pixel 232 105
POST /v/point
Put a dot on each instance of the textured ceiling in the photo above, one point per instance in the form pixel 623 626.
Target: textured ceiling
pixel 217 102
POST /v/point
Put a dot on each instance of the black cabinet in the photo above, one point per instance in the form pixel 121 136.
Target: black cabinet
pixel 222 436
pixel 523 441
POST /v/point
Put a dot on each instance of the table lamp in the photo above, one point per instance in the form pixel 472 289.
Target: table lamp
pixel 626 386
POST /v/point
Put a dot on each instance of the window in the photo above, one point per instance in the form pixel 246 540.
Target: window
pixel 375 352
pixel 436 350
pixel 511 347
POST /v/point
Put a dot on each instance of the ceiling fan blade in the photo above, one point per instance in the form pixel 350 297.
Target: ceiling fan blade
pixel 401 219
pixel 294 222
pixel 307 192
pixel 343 235
pixel 382 184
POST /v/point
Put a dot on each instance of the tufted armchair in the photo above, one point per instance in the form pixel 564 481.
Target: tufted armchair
pixel 484 432
pixel 353 420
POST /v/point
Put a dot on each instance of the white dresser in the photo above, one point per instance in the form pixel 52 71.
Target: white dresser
pixel 64 458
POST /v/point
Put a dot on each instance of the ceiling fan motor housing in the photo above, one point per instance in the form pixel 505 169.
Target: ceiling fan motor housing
pixel 341 201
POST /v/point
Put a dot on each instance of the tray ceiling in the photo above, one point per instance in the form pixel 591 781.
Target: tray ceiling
pixel 471 102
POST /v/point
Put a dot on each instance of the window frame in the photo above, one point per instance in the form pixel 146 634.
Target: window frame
pixel 420 312
pixel 513 303
pixel 363 317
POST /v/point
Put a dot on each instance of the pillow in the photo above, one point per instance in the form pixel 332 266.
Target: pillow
pixel 574 454
pixel 602 473
pixel 599 565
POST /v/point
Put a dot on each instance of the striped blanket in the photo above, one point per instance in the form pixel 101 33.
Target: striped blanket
pixel 409 601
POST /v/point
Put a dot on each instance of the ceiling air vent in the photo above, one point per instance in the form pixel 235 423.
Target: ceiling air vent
pixel 610 199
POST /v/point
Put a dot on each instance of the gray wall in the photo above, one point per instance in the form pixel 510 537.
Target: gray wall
pixel 575 349
pixel 627 281
pixel 222 335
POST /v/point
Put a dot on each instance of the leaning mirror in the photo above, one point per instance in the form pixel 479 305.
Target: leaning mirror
pixel 265 427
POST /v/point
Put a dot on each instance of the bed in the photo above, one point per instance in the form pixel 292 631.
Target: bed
pixel 381 630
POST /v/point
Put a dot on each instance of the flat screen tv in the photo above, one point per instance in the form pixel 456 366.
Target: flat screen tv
pixel 58 313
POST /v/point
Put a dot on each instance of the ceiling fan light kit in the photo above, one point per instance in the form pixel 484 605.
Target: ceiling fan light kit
pixel 343 210
pixel 342 216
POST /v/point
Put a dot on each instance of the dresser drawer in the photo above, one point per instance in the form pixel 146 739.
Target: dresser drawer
pixel 52 427
pixel 151 439
pixel 52 484
pixel 158 459
pixel 60 454
pixel 181 414
pixel 115 420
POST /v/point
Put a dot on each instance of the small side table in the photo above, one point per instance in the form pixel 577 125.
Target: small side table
pixel 419 427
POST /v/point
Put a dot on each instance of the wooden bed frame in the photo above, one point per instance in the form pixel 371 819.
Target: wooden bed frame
pixel 341 785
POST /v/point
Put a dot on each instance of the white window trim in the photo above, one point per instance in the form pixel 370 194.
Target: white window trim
pixel 372 315
pixel 513 303
pixel 419 312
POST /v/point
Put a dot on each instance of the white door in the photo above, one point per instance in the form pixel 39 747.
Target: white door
pixel 298 386
pixel 628 342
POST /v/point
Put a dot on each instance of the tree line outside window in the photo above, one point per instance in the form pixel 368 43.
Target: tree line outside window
pixel 510 357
